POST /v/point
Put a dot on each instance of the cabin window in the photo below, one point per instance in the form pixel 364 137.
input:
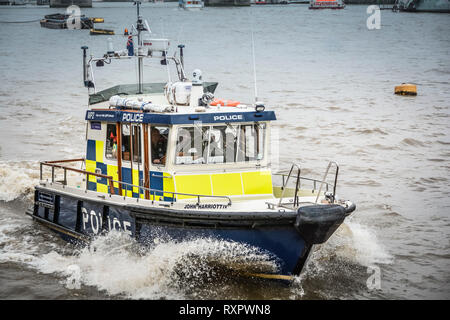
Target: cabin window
pixel 131 142
pixel 220 144
pixel 136 138
pixel 250 142
pixel 158 144
pixel 111 142
pixel 192 143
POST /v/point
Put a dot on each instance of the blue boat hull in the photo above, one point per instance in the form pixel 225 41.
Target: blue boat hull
pixel 79 220
pixel 283 245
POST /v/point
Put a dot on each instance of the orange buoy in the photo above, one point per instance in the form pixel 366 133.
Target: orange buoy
pixel 224 103
pixel 406 89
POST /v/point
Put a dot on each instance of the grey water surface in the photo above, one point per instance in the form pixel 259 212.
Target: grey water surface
pixel 331 83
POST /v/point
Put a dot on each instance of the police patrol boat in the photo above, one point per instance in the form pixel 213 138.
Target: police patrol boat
pixel 168 158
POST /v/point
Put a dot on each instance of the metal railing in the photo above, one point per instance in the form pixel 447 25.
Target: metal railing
pixel 297 185
pixel 128 186
pixel 54 165
pixel 324 178
pixel 286 177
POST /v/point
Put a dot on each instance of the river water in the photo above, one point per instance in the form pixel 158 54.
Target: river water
pixel 330 80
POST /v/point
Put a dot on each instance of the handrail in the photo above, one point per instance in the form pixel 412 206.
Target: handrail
pixel 54 164
pixel 66 160
pixel 325 176
pixel 297 185
pixel 315 181
pixel 153 191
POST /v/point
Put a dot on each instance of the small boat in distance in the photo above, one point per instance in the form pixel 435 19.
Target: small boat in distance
pixel 260 2
pixel 442 6
pixel 59 21
pixel 191 4
pixel 326 4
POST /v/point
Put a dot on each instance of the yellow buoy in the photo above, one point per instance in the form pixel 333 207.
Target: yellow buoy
pixel 101 32
pixel 406 89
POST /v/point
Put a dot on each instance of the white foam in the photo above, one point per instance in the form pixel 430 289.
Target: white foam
pixel 353 242
pixel 369 249
pixel 18 179
pixel 16 247
pixel 110 265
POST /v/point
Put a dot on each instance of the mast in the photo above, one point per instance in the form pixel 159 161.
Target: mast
pixel 140 27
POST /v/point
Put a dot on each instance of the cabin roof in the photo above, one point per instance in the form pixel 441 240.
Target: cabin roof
pixel 179 118
pixel 133 89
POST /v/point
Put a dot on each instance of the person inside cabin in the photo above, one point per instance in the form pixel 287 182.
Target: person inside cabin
pixel 126 142
pixel 114 145
pixel 111 142
pixel 159 147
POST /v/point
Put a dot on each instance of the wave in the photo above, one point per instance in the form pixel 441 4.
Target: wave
pixel 356 243
pixel 430 182
pixel 371 131
pixel 381 147
pixel 412 142
pixel 446 143
pixel 18 179
pixel 367 182
pixel 119 266
pixel 437 70
pixel 338 268
pixel 437 160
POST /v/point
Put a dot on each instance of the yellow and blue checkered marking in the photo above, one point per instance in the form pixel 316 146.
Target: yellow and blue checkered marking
pixel 94 160
pixel 223 184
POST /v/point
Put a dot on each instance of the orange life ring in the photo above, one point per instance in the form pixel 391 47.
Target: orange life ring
pixel 224 103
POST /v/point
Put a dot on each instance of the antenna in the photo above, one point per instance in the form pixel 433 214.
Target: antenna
pixel 165 52
pixel 138 4
pixel 147 26
pixel 253 56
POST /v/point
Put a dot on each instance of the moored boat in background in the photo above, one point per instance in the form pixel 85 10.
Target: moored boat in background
pixel 442 6
pixel 326 4
pixel 191 4
pixel 60 21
